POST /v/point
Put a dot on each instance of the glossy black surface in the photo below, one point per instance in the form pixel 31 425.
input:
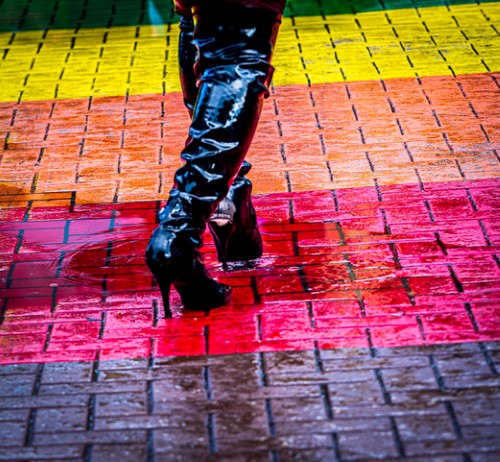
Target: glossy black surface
pixel 234 224
pixel 232 68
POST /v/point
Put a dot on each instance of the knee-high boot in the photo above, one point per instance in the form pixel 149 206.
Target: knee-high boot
pixel 233 71
pixel 233 225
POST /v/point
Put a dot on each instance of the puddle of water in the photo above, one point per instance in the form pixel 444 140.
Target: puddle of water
pixel 68 261
pixel 80 265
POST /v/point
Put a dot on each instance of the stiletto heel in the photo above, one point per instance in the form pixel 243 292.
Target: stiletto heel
pixel 222 234
pixel 164 284
pixel 175 262
pixel 234 225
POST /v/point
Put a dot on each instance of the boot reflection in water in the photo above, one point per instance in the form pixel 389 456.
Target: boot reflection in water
pixel 225 71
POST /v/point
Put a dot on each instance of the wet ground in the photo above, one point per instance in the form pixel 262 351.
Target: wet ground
pixel 368 330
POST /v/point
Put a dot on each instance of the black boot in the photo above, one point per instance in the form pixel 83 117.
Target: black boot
pixel 233 71
pixel 233 225
pixel 173 256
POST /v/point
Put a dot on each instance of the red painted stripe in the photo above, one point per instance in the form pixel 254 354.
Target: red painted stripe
pixel 402 265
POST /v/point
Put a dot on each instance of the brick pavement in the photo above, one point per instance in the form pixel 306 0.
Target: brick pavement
pixel 412 403
pixel 370 328
pixel 126 149
pixel 362 267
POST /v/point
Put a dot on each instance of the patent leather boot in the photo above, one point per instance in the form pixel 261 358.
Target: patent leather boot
pixel 173 256
pixel 233 70
pixel 233 225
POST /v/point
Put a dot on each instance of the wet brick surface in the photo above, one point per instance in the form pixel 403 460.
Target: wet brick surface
pixel 376 163
pixel 362 267
pixel 104 149
pixel 412 403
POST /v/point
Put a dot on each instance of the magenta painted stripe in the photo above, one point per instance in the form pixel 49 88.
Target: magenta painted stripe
pixel 399 265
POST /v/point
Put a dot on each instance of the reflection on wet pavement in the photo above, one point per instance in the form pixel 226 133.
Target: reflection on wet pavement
pixel 369 328
pixel 372 272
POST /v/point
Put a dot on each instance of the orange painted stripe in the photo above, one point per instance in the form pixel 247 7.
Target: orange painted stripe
pixel 310 138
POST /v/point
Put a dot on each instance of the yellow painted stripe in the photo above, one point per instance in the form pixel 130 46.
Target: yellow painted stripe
pixel 462 39
pixel 392 44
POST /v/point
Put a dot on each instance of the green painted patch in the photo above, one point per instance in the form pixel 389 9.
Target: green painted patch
pixel 328 7
pixel 23 15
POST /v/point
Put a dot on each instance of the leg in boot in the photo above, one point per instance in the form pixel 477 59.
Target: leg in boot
pixel 233 225
pixel 173 256
pixel 233 70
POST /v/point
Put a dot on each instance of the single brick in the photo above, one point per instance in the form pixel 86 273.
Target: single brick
pixel 479 410
pixel 61 419
pixel 175 440
pixel 90 437
pixel 409 378
pixel 422 428
pixel 67 372
pixel 122 452
pixel 363 446
pixel 121 404
pixel 13 434
pixel 17 385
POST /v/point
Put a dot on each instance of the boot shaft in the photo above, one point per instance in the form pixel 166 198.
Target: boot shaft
pixel 237 19
pixel 233 69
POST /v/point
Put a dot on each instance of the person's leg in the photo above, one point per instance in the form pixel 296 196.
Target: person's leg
pixel 233 225
pixel 233 71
